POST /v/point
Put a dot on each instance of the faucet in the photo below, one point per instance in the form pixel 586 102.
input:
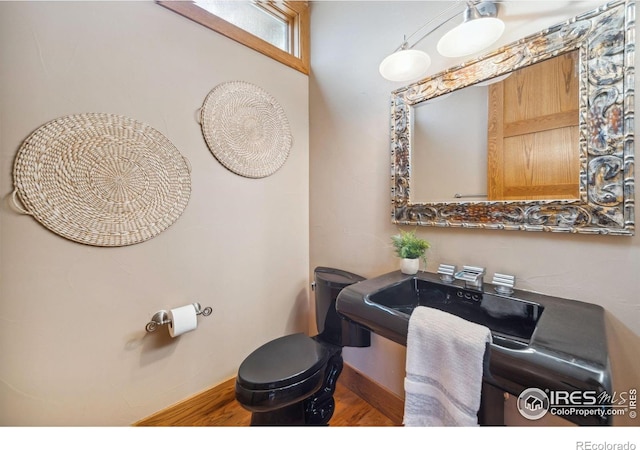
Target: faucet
pixel 472 276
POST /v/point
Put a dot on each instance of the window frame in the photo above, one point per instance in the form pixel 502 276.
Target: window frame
pixel 295 13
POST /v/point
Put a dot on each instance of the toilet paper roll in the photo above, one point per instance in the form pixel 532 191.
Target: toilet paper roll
pixel 183 320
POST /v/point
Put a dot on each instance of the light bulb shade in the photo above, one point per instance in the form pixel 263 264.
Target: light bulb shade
pixel 405 65
pixel 471 37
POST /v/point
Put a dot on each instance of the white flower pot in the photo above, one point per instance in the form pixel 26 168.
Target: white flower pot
pixel 409 266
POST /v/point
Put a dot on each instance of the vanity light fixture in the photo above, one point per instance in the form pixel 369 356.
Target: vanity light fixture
pixel 405 64
pixel 480 29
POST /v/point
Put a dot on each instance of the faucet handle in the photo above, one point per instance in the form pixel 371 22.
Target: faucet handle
pixel 504 284
pixel 446 272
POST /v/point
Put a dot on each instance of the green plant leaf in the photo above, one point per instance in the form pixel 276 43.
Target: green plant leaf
pixel 408 245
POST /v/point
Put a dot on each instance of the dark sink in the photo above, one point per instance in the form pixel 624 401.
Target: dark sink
pixel 508 318
pixel 540 341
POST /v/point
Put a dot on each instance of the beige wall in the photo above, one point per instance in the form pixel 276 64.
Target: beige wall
pixel 350 179
pixel 73 350
pixel 72 346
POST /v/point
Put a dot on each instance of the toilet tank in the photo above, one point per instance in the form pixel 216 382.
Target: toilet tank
pixel 333 327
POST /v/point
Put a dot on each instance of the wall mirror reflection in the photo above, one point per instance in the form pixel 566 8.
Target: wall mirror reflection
pixel 536 136
pixel 518 139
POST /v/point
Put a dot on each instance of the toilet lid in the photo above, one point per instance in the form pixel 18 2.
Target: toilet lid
pixel 283 361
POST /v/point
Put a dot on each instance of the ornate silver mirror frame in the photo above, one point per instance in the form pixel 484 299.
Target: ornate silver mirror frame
pixel 605 40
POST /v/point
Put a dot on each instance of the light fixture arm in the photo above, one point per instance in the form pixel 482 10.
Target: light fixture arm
pixel 407 63
pixel 473 10
pixel 405 44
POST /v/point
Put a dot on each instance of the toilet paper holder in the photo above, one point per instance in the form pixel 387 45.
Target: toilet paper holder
pixel 162 317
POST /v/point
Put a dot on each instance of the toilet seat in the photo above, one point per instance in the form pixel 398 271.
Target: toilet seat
pixel 283 371
pixel 282 362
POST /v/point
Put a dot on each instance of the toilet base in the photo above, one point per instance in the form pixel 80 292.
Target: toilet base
pixel 287 416
pixel 314 410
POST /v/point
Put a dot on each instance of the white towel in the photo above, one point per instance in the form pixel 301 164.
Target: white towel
pixel 445 356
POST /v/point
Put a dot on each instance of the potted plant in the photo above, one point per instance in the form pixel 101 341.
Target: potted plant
pixel 411 249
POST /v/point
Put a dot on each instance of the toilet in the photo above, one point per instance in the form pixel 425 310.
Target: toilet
pixel 291 380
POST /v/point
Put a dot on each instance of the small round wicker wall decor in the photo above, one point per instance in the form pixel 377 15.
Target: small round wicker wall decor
pixel 246 129
pixel 101 179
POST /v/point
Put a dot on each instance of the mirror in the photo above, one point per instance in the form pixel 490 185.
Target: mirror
pixel 581 181
pixel 506 124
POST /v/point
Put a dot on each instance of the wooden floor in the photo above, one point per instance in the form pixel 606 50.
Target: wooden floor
pixel 351 411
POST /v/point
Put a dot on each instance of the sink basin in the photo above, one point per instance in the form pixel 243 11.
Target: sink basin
pixel 540 341
pixel 509 319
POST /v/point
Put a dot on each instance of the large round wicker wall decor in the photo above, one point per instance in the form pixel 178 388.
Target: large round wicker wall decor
pixel 246 129
pixel 101 179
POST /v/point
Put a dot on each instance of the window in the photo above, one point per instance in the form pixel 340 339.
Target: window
pixel 278 29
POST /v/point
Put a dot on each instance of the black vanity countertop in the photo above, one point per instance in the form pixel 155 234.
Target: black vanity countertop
pixel 567 351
